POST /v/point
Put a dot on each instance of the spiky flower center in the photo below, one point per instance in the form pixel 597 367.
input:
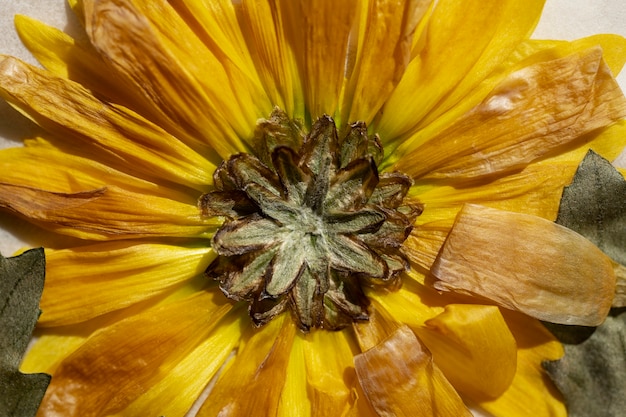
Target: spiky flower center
pixel 309 221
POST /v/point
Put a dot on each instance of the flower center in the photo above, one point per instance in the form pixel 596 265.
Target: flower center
pixel 309 222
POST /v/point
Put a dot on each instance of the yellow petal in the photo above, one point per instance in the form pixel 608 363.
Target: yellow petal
pixel 530 113
pixel 177 392
pixel 383 53
pixel 528 264
pixel 330 372
pixel 527 53
pixel 183 79
pixel 318 32
pixel 294 399
pixel 266 30
pixel 121 136
pixel 399 378
pixel 49 351
pixel 531 393
pixel 412 304
pixel 255 378
pixel 68 58
pixel 88 281
pixel 40 165
pixel 105 213
pixel 462 40
pixel 474 348
pixel 110 370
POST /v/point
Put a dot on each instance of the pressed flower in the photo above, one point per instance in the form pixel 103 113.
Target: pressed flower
pixel 311 208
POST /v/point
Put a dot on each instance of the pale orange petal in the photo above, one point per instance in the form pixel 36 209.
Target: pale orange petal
pixel 399 378
pixel 318 32
pixel 143 44
pixel 266 31
pixel 106 213
pixel 383 53
pixel 255 378
pixel 528 264
pixel 530 113
pixel 111 369
pixel 122 138
pixel 176 393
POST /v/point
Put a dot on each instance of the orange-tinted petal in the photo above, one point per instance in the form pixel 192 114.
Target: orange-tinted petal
pixel 106 213
pixel 399 378
pixel 318 32
pixel 463 40
pixel 110 370
pixel 383 53
pixel 530 113
pixel 177 392
pixel 255 378
pixel 528 264
pixel 121 137
pixel 182 79
pixel 88 281
pixel 474 348
pixel 266 30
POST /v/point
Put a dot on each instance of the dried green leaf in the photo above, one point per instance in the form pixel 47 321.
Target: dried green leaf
pixel 21 285
pixel 592 374
pixel 594 205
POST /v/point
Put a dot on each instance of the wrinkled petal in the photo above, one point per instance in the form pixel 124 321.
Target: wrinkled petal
pixel 462 41
pixel 526 54
pixel 530 113
pixel 383 53
pixel 267 33
pixel 122 137
pixel 110 370
pixel 88 281
pixel 143 43
pixel 320 49
pixel 255 378
pixel 474 348
pixel 528 264
pixel 105 213
pixel 399 378
pixel 68 58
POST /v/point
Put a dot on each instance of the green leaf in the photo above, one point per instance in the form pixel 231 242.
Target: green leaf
pixel 21 285
pixel 592 374
pixel 594 205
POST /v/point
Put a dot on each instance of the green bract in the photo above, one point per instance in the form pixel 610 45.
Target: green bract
pixel 309 222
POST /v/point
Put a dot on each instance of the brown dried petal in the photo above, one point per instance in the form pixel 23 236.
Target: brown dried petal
pixel 232 203
pixel 391 189
pixel 245 169
pixel 295 179
pixel 352 186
